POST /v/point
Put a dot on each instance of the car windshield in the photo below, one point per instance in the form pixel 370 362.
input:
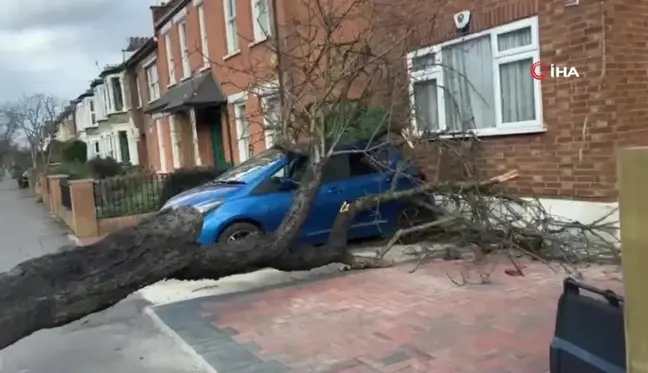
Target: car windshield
pixel 250 169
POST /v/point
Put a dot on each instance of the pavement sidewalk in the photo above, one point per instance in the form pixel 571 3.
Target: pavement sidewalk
pixel 386 320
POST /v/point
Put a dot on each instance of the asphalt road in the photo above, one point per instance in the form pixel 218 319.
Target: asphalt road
pixel 122 339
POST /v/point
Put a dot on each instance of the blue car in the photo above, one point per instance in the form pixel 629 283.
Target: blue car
pixel 256 195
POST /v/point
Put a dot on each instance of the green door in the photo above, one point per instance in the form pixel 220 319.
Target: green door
pixel 123 146
pixel 217 140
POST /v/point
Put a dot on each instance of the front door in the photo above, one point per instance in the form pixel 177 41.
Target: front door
pixel 123 146
pixel 216 132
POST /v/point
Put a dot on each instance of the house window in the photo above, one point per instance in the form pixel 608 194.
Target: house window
pixel 93 116
pixel 242 129
pixel 169 57
pixel 118 97
pixel 184 49
pixel 153 82
pixel 230 26
pixel 96 148
pixel 106 101
pixel 203 35
pixel 272 118
pixel 260 19
pixel 479 83
pixel 139 92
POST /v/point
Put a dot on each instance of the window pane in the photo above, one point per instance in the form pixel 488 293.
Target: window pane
pixel 263 18
pixel 468 85
pixel 423 62
pixel 359 165
pixel 516 86
pixel 426 108
pixel 337 168
pixel 514 39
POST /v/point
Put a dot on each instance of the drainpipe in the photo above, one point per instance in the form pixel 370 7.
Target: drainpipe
pixel 229 134
pixel 280 70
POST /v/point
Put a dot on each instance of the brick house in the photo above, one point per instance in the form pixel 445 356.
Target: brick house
pixel 562 134
pixel 205 121
pixel 141 82
pixel 65 124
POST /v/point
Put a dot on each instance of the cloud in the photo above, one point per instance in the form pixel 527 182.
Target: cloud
pixel 56 47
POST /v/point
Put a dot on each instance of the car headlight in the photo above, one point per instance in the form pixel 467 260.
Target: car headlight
pixel 209 206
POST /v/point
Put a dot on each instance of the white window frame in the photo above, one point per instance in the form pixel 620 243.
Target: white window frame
pixel 259 34
pixel 92 107
pixel 113 97
pixel 139 91
pixel 169 58
pixel 161 145
pixel 241 121
pixel 204 43
pixel 184 49
pixel 231 30
pixel 521 53
pixel 265 92
pixel 153 86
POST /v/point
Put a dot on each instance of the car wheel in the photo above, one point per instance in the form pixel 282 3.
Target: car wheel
pixel 238 231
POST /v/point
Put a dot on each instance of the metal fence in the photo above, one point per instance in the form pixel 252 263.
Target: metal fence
pixel 128 195
pixel 66 199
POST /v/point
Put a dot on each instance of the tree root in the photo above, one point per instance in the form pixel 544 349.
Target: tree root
pixel 353 262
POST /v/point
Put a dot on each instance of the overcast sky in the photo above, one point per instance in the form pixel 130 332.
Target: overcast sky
pixel 53 46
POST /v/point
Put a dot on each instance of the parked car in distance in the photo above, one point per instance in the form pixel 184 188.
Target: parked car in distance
pixel 256 195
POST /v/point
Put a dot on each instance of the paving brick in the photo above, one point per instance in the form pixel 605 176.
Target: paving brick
pixel 382 321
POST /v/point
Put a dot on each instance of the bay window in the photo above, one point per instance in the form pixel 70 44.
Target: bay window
pixel 260 20
pixel 242 131
pixel 479 83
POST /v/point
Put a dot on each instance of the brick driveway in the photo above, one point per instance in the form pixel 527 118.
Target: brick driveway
pixel 386 320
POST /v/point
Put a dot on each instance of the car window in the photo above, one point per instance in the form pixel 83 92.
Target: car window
pixel 251 168
pixel 360 164
pixel 294 170
pixel 336 169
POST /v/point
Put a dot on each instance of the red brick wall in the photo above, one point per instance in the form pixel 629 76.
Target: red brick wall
pixel 586 119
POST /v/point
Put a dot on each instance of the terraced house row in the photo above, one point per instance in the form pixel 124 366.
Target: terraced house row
pixel 179 98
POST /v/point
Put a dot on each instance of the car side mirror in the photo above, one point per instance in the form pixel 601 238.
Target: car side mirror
pixel 287 184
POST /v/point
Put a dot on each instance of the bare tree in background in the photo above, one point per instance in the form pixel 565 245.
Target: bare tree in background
pixel 8 132
pixel 340 60
pixel 34 115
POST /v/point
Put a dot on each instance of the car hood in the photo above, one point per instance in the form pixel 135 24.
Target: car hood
pixel 202 194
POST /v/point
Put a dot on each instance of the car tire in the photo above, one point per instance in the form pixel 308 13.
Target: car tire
pixel 243 229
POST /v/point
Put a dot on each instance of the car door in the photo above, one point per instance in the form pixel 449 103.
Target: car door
pixel 275 203
pixel 367 179
pixel 329 199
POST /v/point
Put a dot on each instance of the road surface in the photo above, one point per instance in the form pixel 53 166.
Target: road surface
pixel 122 339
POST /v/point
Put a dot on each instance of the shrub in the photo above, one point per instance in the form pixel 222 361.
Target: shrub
pixel 55 150
pixel 75 151
pixel 186 178
pixel 74 170
pixel 105 167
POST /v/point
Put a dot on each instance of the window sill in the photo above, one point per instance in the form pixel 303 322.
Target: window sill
pixel 257 42
pixel 185 78
pixel 494 132
pixel 171 84
pixel 206 67
pixel 233 54
pixel 117 112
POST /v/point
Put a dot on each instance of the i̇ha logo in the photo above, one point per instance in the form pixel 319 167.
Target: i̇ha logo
pixel 540 70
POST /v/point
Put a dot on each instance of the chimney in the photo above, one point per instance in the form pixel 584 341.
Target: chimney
pixel 135 43
pixel 158 11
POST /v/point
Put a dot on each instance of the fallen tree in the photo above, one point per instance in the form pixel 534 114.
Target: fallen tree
pixel 327 68
pixel 59 288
